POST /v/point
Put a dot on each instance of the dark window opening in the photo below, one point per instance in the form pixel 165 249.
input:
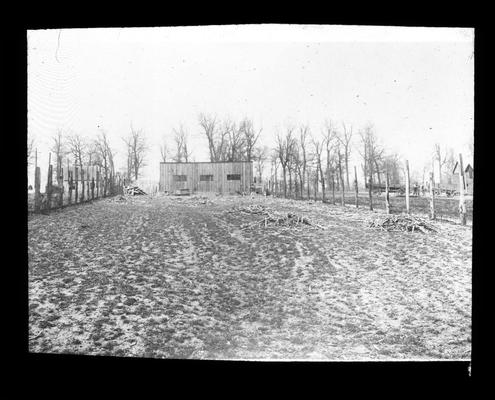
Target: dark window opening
pixel 233 177
pixel 180 178
pixel 206 178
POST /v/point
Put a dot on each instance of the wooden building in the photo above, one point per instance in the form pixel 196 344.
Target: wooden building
pixel 216 177
pixel 468 177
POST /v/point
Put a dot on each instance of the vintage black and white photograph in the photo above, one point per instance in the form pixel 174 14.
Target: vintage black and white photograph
pixel 251 192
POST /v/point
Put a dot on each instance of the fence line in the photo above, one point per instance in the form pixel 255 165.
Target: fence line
pixel 75 181
pixel 424 201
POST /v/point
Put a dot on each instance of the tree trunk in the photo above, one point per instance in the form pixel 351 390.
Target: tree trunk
pixel 322 178
pixel 82 184
pixel 407 187
pixel 333 189
pixel 356 187
pixel 284 173
pixel 387 200
pixel 370 184
pixel 48 189
pixel 76 193
pixel 290 183
pixel 462 184
pixel 316 185
pixel 308 180
pixel 378 177
pixel 342 192
pixel 432 197
pixel 347 168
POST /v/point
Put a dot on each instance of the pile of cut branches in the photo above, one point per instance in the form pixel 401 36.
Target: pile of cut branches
pixel 291 220
pixel 271 217
pixel 133 190
pixel 252 209
pixel 402 222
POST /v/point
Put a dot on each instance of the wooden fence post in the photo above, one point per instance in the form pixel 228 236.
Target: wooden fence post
pixel 61 186
pixel 82 185
pixel 462 184
pixel 387 197
pixel 407 187
pixel 76 194
pixel 48 189
pixel 316 186
pixel 370 193
pixel 97 182
pixel 342 188
pixel 88 181
pixel 432 198
pixel 37 179
pixel 105 184
pixel 356 187
pixel 69 182
pixel 93 188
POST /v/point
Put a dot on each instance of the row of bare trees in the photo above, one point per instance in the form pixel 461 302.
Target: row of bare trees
pixel 310 162
pixel 95 152
pixel 227 141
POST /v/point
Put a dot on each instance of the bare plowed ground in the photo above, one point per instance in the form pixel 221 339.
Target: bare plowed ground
pixel 172 277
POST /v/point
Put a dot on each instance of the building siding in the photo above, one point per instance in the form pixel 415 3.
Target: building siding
pixel 219 170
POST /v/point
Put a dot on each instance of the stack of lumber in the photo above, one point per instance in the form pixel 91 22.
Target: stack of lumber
pixel 133 190
pixel 402 222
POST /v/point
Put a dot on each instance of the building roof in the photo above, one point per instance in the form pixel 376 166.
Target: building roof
pixel 468 167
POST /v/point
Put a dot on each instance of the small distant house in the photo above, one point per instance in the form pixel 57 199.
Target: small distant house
pixel 468 177
pixel 217 177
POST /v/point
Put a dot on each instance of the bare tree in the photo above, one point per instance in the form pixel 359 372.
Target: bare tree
pixel 251 136
pixel 236 141
pixel 274 172
pixel 103 157
pixel 372 153
pixel 345 141
pixel 330 140
pixel 318 149
pixel 164 150
pixel 303 138
pixel 441 160
pixel 30 150
pixel 209 125
pixel 78 148
pixel 59 150
pixel 341 177
pixel 284 152
pixel 260 155
pixel 136 151
pixel 450 160
pixel 181 138
pixel 299 169
pixel 392 164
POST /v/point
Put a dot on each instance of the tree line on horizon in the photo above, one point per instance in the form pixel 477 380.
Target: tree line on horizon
pixel 301 161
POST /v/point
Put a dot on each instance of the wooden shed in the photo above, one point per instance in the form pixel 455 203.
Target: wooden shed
pixel 216 177
pixel 468 177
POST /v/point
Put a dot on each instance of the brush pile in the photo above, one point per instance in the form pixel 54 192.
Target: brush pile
pixel 271 217
pixel 133 190
pixel 402 222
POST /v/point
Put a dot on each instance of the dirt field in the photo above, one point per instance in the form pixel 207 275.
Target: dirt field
pixel 173 277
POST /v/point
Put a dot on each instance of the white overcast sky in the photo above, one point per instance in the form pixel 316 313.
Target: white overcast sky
pixel 416 85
